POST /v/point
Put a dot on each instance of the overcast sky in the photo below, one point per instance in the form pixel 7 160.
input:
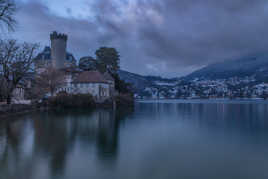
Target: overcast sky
pixel 155 37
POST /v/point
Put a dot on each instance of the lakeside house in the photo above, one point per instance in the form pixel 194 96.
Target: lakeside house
pixel 88 82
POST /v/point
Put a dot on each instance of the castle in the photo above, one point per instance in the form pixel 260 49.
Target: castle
pixel 56 55
pixel 77 81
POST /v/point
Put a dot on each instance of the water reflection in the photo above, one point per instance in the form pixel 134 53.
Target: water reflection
pixel 246 118
pixel 156 140
pixel 41 143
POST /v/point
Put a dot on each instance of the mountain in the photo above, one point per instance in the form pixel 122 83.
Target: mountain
pixel 140 82
pixel 248 66
pixel 250 71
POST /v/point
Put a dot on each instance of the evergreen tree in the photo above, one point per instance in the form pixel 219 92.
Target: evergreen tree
pixel 109 59
pixel 87 64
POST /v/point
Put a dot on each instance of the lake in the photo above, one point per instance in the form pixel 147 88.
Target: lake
pixel 214 139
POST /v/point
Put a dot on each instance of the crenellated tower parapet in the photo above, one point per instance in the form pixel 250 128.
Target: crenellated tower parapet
pixel 54 35
pixel 58 49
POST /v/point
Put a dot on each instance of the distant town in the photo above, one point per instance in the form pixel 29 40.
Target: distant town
pixel 232 88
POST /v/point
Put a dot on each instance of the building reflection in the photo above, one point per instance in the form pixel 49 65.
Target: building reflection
pixel 50 139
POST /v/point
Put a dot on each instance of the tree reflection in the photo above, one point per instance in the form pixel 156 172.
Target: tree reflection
pixel 3 141
pixel 53 140
pixel 12 141
pixel 107 136
pixel 54 137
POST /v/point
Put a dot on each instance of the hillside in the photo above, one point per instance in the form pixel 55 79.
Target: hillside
pixel 249 66
pixel 219 76
pixel 140 82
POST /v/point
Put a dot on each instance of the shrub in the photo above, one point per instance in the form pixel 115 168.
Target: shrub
pixel 125 100
pixel 66 100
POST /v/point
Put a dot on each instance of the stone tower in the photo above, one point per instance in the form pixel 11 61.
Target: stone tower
pixel 58 49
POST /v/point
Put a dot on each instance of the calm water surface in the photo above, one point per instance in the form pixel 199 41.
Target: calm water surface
pixel 156 140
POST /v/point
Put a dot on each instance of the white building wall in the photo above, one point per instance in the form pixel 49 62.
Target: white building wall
pixel 18 94
pixel 98 90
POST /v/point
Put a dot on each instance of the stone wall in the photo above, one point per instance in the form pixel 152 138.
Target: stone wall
pixel 58 50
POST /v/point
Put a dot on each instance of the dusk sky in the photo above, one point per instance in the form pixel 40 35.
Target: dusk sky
pixel 154 37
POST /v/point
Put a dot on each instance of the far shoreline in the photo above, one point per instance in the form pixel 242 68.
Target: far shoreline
pixel 216 100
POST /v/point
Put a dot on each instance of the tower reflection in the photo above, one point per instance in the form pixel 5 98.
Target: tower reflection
pixel 50 139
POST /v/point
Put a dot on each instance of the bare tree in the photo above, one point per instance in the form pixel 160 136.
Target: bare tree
pixel 16 61
pixel 7 11
pixel 49 81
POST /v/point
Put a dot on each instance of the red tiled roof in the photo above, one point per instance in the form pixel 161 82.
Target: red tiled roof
pixel 90 77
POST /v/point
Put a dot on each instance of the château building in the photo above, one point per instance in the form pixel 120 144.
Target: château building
pixel 77 81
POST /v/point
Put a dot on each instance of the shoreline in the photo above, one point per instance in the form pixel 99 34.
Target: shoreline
pixel 14 110
pixel 206 99
pixel 212 101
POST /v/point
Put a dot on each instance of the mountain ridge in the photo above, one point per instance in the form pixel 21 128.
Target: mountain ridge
pixel 140 82
pixel 246 66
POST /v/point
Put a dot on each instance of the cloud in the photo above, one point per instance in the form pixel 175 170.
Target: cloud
pixel 161 37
